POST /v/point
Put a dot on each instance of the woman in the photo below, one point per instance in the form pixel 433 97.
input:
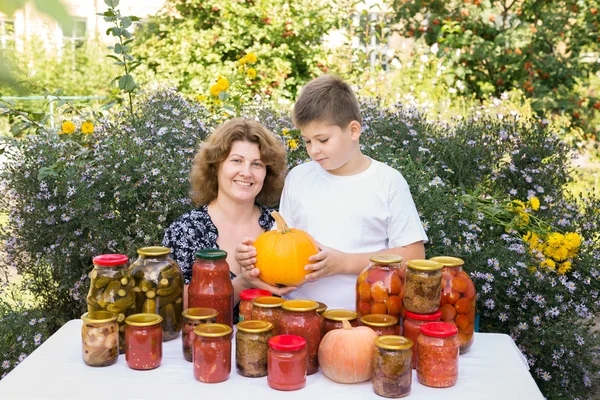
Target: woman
pixel 237 173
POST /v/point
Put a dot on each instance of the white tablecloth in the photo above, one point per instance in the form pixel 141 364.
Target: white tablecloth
pixel 492 369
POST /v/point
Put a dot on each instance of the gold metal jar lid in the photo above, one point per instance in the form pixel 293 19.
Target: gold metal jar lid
pixel 200 313
pixel 322 307
pixel 386 259
pixel 300 305
pixel 98 317
pixel 268 302
pixel 154 251
pixel 340 315
pixel 379 320
pixel 143 319
pixel 213 330
pixel 393 342
pixel 254 326
pixel 424 265
pixel 448 261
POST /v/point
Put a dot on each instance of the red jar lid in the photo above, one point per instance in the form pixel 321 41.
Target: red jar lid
pixel 110 260
pixel 251 294
pixel 439 329
pixel 425 317
pixel 287 342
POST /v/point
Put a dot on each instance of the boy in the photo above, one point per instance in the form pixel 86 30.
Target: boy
pixel 352 205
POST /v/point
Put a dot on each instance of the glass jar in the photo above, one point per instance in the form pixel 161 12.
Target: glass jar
pixel 423 286
pixel 322 308
pixel 392 372
pixel 251 345
pixel 412 328
pixel 382 324
pixel 143 341
pixel 192 317
pixel 458 303
pixel 268 309
pixel 286 363
pixel 111 290
pixel 300 318
pixel 211 284
pixel 380 286
pixel 246 297
pixel 212 353
pixel 437 354
pixel 332 319
pixel 158 287
pixel 100 338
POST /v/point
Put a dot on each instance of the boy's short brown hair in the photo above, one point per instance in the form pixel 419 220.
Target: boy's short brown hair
pixel 326 99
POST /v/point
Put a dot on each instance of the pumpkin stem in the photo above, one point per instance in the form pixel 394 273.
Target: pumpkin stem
pixel 347 325
pixel 282 226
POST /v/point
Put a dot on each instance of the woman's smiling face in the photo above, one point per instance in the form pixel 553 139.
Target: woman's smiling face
pixel 242 173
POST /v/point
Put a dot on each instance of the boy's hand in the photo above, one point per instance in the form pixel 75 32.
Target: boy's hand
pixel 251 280
pixel 327 262
pixel 245 254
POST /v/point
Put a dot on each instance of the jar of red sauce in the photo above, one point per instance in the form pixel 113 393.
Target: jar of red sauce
pixel 382 324
pixel 300 318
pixel 212 353
pixel 268 309
pixel 211 284
pixel 143 341
pixel 192 317
pixel 437 354
pixel 246 297
pixel 286 362
pixel 332 319
pixel 412 328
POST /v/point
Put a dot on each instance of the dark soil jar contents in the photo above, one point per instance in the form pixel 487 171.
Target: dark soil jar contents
pixel 332 319
pixel 300 318
pixel 423 286
pixel 251 346
pixel 192 317
pixel 246 298
pixel 100 338
pixel 268 309
pixel 392 369
pixel 382 324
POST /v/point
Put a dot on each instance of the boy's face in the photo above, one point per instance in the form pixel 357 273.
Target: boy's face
pixel 331 146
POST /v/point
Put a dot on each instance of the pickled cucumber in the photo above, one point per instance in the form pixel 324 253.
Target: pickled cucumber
pixel 175 283
pixel 121 304
pixel 163 301
pixel 149 306
pixel 169 272
pixel 146 285
pixel 102 282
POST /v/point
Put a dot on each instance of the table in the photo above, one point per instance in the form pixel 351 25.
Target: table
pixel 492 369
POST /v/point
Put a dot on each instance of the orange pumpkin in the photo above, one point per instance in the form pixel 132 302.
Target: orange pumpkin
pixel 282 254
pixel 346 355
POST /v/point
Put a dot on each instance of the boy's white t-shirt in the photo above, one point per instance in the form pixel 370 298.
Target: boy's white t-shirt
pixel 362 213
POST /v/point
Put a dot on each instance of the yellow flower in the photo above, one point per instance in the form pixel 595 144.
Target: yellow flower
pixel 292 144
pixel 523 218
pixel 556 240
pixel 87 127
pixel 251 58
pixel 518 205
pixel 572 240
pixel 215 90
pixel 68 127
pixel 560 254
pixel 223 83
pixel 285 131
pixel 251 73
pixel 534 202
pixel 200 98
pixel 243 61
pixel 565 267
pixel 549 263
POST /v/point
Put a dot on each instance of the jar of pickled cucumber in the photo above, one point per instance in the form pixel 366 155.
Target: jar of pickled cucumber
pixel 100 338
pixel 423 286
pixel 111 289
pixel 158 287
pixel 192 317
pixel 251 345
pixel 392 371
pixel 379 287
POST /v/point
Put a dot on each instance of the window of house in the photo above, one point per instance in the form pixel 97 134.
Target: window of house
pixel 7 33
pixel 75 36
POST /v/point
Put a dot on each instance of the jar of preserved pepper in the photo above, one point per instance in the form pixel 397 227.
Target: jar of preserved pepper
pixel 143 341
pixel 286 362
pixel 246 297
pixel 437 354
pixel 392 372
pixel 111 289
pixel 251 345
pixel 211 284
pixel 380 287
pixel 300 318
pixel 192 317
pixel 458 303
pixel 423 286
pixel 382 324
pixel 158 287
pixel 412 328
pixel 332 319
pixel 100 338
pixel 212 353
pixel 268 309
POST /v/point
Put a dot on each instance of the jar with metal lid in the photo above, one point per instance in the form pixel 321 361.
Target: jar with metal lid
pixel 111 289
pixel 412 328
pixel 251 345
pixel 332 319
pixel 268 309
pixel 211 285
pixel 392 372
pixel 382 324
pixel 100 338
pixel 143 341
pixel 379 287
pixel 300 318
pixel 286 362
pixel 212 353
pixel 459 296
pixel 246 297
pixel 192 317
pixel 158 287
pixel 322 308
pixel 437 354
pixel 423 286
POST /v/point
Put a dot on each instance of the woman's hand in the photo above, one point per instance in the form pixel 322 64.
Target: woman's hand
pixel 326 262
pixel 245 254
pixel 249 279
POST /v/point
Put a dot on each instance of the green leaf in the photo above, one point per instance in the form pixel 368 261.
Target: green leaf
pixel 126 83
pixel 223 96
pixel 126 21
pixel 113 57
pixel 46 171
pixel 112 3
pixel 134 18
pixel 118 48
